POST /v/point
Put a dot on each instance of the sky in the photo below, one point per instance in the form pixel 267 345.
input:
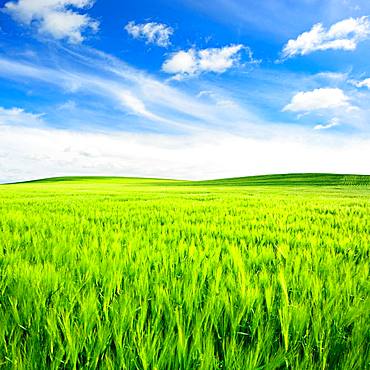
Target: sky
pixel 185 89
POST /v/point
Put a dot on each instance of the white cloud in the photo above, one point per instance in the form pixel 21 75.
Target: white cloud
pixel 68 105
pixel 205 93
pixel 221 101
pixel 182 63
pixel 27 153
pixel 363 83
pixel 57 18
pixel 137 106
pixel 332 76
pixel 344 35
pixel 19 117
pixel 318 99
pixel 152 32
pixel 194 62
pixel 332 123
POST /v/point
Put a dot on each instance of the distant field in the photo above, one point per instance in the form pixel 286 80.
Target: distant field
pixel 269 180
pixel 267 272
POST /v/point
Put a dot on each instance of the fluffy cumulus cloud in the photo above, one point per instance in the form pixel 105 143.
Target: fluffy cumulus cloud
pixel 60 19
pixel 193 62
pixel 344 35
pixel 152 32
pixel 318 99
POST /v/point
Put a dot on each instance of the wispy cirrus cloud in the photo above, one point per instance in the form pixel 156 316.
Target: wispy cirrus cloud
pixel 75 82
pixel 60 19
pixel 332 123
pixel 152 32
pixel 335 77
pixel 102 77
pixel 343 35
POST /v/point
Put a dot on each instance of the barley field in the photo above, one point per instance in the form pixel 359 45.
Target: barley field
pixel 122 273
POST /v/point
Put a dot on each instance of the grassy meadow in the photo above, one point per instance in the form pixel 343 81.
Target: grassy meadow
pixel 252 273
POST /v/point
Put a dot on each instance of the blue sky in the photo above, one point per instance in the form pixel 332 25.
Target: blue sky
pixel 183 88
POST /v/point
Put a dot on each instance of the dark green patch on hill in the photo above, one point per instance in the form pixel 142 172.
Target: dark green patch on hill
pixel 306 179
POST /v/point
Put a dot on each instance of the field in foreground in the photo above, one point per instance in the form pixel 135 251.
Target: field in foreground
pixel 117 273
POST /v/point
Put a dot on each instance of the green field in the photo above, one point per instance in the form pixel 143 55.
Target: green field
pixel 252 273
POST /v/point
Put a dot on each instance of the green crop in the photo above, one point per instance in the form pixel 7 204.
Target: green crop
pixel 117 273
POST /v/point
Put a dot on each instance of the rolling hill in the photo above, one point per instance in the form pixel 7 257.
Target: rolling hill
pixel 304 179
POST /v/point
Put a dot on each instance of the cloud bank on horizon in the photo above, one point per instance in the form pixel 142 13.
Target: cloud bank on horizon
pixel 182 89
